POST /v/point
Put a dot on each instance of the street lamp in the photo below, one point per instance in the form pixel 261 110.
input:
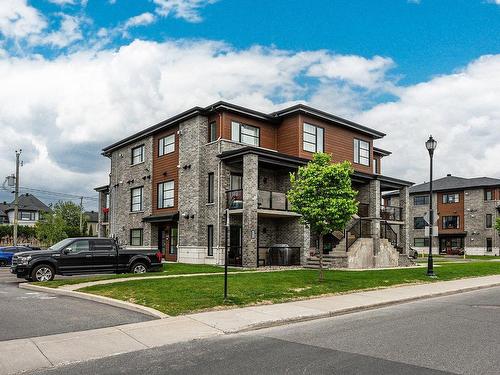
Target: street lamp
pixel 431 145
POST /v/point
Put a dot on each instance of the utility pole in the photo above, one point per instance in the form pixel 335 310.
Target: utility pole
pixel 81 216
pixel 16 197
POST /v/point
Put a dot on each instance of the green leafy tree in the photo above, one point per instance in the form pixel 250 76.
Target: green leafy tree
pixel 51 228
pixel 322 193
pixel 70 213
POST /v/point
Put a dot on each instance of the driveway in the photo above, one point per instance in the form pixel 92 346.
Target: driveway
pixel 24 313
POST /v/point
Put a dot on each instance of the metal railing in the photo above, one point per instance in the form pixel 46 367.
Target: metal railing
pixel 272 200
pixel 234 199
pixel 277 258
pixel 391 213
pixel 361 228
pixel 388 233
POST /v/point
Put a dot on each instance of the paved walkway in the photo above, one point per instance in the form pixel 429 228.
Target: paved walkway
pixel 56 350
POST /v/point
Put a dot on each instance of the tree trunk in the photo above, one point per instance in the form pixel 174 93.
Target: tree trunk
pixel 320 245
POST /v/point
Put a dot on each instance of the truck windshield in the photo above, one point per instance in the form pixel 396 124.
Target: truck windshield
pixel 61 244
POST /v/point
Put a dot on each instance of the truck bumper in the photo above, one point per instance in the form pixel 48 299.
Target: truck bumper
pixel 20 272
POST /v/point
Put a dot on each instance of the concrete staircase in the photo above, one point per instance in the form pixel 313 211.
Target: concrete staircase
pixel 333 260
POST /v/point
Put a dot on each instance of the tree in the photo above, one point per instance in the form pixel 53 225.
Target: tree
pixel 497 225
pixel 51 228
pixel 70 213
pixel 322 193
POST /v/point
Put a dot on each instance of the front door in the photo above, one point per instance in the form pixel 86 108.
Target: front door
pixel 235 249
pixel 168 241
pixel 76 258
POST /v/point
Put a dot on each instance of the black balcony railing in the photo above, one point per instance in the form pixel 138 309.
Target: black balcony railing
pixel 272 200
pixel 391 213
pixel 361 228
pixel 234 199
pixel 387 232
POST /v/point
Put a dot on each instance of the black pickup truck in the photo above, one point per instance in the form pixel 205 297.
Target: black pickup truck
pixel 75 256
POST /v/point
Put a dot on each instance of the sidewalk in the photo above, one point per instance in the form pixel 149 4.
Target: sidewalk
pixel 56 350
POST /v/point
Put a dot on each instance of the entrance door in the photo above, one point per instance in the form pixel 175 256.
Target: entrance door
pixel 235 248
pixel 168 241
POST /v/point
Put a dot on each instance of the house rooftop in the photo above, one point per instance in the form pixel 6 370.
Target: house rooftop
pixel 27 202
pixel 275 117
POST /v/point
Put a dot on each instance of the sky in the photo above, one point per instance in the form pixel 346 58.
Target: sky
pixel 77 75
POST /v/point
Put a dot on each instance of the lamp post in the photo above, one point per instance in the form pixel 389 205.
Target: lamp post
pixel 431 145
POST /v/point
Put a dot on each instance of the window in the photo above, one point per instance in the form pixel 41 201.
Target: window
pixel 236 182
pixel 421 200
pixel 313 138
pixel 451 222
pixel 26 216
pixel 361 152
pixel 136 237
pixel 375 166
pixel 103 245
pixel 136 199
pixel 489 245
pixel 489 221
pixel 212 131
pixel 174 237
pixel 210 237
pixel 419 223
pixel 211 187
pixel 78 246
pixel 451 198
pixel 247 134
pixel 488 195
pixel 421 242
pixel 137 155
pixel 166 194
pixel 166 145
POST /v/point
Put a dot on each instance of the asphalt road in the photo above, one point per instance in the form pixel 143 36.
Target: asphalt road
pixel 456 334
pixel 25 313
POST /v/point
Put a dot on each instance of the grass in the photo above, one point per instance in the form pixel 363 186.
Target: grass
pixel 183 295
pixel 168 269
pixel 455 258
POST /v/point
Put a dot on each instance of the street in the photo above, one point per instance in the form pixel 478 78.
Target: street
pixel 24 313
pixel 456 334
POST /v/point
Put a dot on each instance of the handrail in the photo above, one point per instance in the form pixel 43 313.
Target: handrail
pixel 389 234
pixel 361 228
pixel 393 213
pixel 272 200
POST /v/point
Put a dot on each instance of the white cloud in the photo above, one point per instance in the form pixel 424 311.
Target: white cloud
pixel 460 110
pixel 140 20
pixel 494 2
pixel 185 9
pixel 62 2
pixel 68 33
pixel 19 20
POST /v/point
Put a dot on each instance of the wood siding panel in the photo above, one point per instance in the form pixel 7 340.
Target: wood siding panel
pixel 450 209
pixel 165 169
pixel 288 136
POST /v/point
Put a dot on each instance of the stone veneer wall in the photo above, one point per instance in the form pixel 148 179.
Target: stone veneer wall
pixel 476 209
pixel 123 178
pixel 417 211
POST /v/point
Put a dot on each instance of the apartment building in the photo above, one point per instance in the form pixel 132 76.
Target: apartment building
pixel 467 209
pixel 171 184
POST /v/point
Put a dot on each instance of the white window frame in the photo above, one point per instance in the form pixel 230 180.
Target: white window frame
pixel 447 200
pixel 166 145
pixel 140 156
pixel 136 199
pixel 313 139
pixel 239 131
pixel 358 157
pixel 166 194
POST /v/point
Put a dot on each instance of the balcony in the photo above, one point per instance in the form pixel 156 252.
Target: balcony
pixel 266 200
pixel 391 213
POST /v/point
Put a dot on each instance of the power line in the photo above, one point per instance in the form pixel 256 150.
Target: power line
pixel 54 194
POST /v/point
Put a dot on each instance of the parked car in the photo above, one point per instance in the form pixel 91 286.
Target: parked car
pixel 76 256
pixel 7 252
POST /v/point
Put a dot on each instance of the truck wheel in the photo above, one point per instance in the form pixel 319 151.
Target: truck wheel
pixel 42 272
pixel 139 267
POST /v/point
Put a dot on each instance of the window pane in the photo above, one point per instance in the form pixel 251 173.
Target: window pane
pixel 235 131
pixel 311 138
pixel 309 147
pixel 309 128
pixel 212 131
pixel 81 246
pixel 250 140
pixel 356 151
pixel 250 130
pixel 319 140
pixel 210 237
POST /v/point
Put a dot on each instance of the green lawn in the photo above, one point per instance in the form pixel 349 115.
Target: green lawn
pixel 168 269
pixel 182 295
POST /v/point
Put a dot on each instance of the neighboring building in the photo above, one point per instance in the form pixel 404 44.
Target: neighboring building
pixel 92 220
pixel 30 210
pixel 171 183
pixel 467 209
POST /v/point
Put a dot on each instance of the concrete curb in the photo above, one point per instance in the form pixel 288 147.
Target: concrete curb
pixel 100 299
pixel 258 326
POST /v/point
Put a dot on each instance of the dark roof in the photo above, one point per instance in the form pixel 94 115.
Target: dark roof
pixel 449 183
pixel 28 202
pixel 92 216
pixel 275 117
pixel 381 151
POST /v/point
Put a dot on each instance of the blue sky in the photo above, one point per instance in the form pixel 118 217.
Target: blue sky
pixel 80 74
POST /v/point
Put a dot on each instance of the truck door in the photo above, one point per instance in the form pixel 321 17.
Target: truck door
pixel 104 256
pixel 76 258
